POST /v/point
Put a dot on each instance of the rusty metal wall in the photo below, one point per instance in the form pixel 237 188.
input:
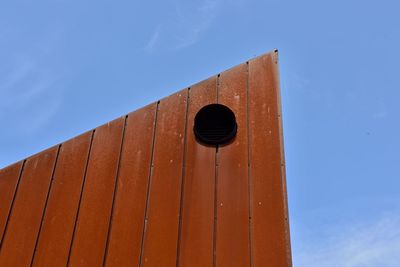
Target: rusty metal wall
pixel 141 191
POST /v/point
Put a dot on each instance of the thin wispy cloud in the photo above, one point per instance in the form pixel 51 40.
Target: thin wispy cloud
pixel 373 244
pixel 154 38
pixel 28 90
pixel 186 25
pixel 11 77
pixel 194 23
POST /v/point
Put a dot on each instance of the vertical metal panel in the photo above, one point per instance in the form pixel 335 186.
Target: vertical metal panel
pixel 9 177
pixel 89 241
pixel 24 223
pixel 270 236
pixel 130 201
pixel 197 227
pixel 232 177
pixel 60 215
pixel 161 234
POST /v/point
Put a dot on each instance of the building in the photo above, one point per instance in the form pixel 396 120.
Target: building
pixel 175 183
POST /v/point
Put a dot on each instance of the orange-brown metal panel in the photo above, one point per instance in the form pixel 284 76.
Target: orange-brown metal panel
pixel 197 227
pixel 130 201
pixel 161 234
pixel 9 177
pixel 89 241
pixel 24 223
pixel 60 215
pixel 232 240
pixel 270 236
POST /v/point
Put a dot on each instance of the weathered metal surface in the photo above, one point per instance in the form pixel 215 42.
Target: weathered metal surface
pixel 125 238
pixel 270 230
pixel 62 206
pixel 142 191
pixel 89 239
pixel 162 214
pixel 9 178
pixel 197 225
pixel 232 232
pixel 23 226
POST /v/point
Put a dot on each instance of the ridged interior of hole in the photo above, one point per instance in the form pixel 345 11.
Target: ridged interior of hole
pixel 214 124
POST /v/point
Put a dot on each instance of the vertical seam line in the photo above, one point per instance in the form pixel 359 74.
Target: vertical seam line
pixel 249 177
pixel 215 190
pixel 115 191
pixel 182 180
pixel 149 180
pixel 282 157
pixel 45 204
pixel 12 203
pixel 80 197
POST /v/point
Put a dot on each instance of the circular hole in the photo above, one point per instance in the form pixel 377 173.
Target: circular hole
pixel 215 124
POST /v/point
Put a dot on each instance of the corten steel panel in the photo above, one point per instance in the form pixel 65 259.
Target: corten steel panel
pixel 162 214
pixel 125 238
pixel 270 228
pixel 62 206
pixel 197 225
pixel 24 223
pixel 232 233
pixel 89 240
pixel 9 178
pixel 142 191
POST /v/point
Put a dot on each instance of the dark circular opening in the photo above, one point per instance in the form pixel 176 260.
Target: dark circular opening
pixel 215 124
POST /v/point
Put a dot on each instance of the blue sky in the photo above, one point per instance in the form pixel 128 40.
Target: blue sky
pixel 67 66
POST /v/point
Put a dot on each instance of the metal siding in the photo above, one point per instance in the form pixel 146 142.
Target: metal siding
pixel 197 225
pixel 89 240
pixel 141 191
pixel 162 217
pixel 232 177
pixel 24 223
pixel 128 215
pixel 270 231
pixel 60 215
pixel 9 178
